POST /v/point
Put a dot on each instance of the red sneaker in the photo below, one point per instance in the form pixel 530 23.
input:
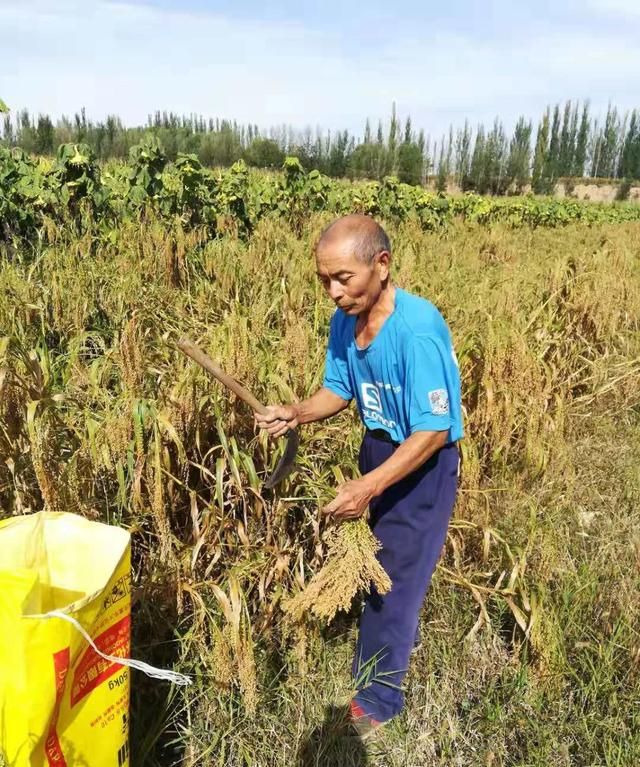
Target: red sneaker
pixel 362 723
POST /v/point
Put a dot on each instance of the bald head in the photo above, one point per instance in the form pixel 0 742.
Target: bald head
pixel 359 234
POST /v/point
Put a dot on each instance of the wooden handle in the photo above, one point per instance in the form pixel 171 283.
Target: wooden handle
pixel 196 354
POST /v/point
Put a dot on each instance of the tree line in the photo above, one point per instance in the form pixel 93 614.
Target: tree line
pixel 568 143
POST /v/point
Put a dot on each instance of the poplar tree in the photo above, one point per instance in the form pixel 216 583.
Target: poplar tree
pixel 463 155
pixel 540 159
pixel 553 158
pixel 582 143
pixel 520 155
pixel 477 170
pixel 567 147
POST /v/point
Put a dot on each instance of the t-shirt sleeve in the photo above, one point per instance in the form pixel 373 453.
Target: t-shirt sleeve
pixel 427 397
pixel 336 374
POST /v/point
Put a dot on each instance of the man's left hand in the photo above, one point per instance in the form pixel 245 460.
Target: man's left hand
pixel 351 500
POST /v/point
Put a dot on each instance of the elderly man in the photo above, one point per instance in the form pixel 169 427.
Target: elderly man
pixel 391 351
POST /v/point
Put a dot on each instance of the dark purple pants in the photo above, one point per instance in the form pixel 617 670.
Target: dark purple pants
pixel 410 520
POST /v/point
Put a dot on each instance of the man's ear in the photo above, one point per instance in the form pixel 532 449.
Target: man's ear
pixel 384 264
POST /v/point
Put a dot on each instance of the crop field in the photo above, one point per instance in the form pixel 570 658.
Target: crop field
pixel 530 649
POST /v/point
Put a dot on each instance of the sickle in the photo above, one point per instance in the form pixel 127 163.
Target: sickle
pixel 285 464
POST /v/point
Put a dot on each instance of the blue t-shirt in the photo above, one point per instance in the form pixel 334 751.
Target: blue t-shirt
pixel 407 379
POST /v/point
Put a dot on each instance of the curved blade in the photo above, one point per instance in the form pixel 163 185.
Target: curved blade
pixel 285 464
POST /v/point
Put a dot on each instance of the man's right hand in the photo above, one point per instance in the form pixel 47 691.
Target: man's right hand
pixel 278 419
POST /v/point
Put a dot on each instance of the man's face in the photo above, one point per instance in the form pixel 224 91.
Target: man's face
pixel 353 285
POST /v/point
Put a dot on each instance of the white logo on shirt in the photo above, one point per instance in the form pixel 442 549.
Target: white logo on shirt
pixel 371 397
pixel 439 400
pixel 379 418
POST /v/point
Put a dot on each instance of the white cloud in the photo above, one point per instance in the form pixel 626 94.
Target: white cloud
pixel 117 57
pixel 616 7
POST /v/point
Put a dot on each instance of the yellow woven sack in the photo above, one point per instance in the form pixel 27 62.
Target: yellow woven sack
pixel 64 700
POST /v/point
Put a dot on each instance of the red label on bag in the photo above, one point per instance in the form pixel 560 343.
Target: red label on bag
pixel 93 669
pixel 52 747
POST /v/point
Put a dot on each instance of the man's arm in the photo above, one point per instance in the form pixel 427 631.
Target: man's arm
pixel 280 418
pixel 353 497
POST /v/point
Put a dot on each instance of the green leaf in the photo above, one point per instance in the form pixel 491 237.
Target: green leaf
pixel 3 106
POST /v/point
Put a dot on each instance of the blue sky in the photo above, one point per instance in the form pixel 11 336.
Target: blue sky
pixel 328 65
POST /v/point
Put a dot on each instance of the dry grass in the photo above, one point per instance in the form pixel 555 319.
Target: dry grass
pixel 531 646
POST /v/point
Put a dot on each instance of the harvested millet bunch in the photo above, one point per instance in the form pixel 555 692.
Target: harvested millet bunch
pixel 351 566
